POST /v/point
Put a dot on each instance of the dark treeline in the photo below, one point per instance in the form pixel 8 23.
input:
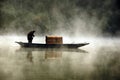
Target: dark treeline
pixel 45 15
pixel 1 17
pixel 113 26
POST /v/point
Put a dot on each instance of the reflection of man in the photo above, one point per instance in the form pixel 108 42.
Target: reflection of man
pixel 29 56
pixel 30 36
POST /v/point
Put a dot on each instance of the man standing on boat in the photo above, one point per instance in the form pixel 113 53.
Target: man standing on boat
pixel 30 36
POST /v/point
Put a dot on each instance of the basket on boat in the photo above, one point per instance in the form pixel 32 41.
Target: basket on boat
pixel 54 40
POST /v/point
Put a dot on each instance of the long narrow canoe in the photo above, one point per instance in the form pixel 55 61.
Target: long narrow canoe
pixel 41 45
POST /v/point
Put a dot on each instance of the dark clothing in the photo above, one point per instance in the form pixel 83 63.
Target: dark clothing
pixel 30 36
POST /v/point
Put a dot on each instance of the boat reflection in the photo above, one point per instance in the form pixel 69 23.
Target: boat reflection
pixel 45 54
pixel 53 54
pixel 51 49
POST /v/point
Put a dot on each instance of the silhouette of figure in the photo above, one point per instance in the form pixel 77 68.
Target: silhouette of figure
pixel 30 36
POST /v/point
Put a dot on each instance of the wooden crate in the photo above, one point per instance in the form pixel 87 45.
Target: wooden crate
pixel 54 40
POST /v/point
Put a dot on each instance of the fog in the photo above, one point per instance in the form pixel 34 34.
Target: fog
pixel 70 18
pixel 98 60
pixel 77 21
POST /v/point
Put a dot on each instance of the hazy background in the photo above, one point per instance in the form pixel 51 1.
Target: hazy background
pixel 60 17
pixel 92 21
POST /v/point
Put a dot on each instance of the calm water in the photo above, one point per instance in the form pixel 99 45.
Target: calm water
pixel 98 61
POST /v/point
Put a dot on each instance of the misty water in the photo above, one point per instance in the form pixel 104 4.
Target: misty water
pixel 100 60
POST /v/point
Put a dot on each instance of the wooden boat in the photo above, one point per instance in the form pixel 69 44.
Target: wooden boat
pixel 41 45
pixel 51 42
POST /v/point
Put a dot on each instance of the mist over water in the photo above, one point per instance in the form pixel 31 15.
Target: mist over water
pixel 77 21
pixel 98 60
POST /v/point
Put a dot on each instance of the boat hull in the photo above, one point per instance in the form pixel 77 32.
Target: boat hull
pixel 40 45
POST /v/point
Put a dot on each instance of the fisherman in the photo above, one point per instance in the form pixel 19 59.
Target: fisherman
pixel 30 36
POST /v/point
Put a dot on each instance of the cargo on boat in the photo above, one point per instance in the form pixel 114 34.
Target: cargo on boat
pixel 54 40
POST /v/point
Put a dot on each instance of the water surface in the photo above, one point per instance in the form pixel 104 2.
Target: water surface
pixel 98 61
